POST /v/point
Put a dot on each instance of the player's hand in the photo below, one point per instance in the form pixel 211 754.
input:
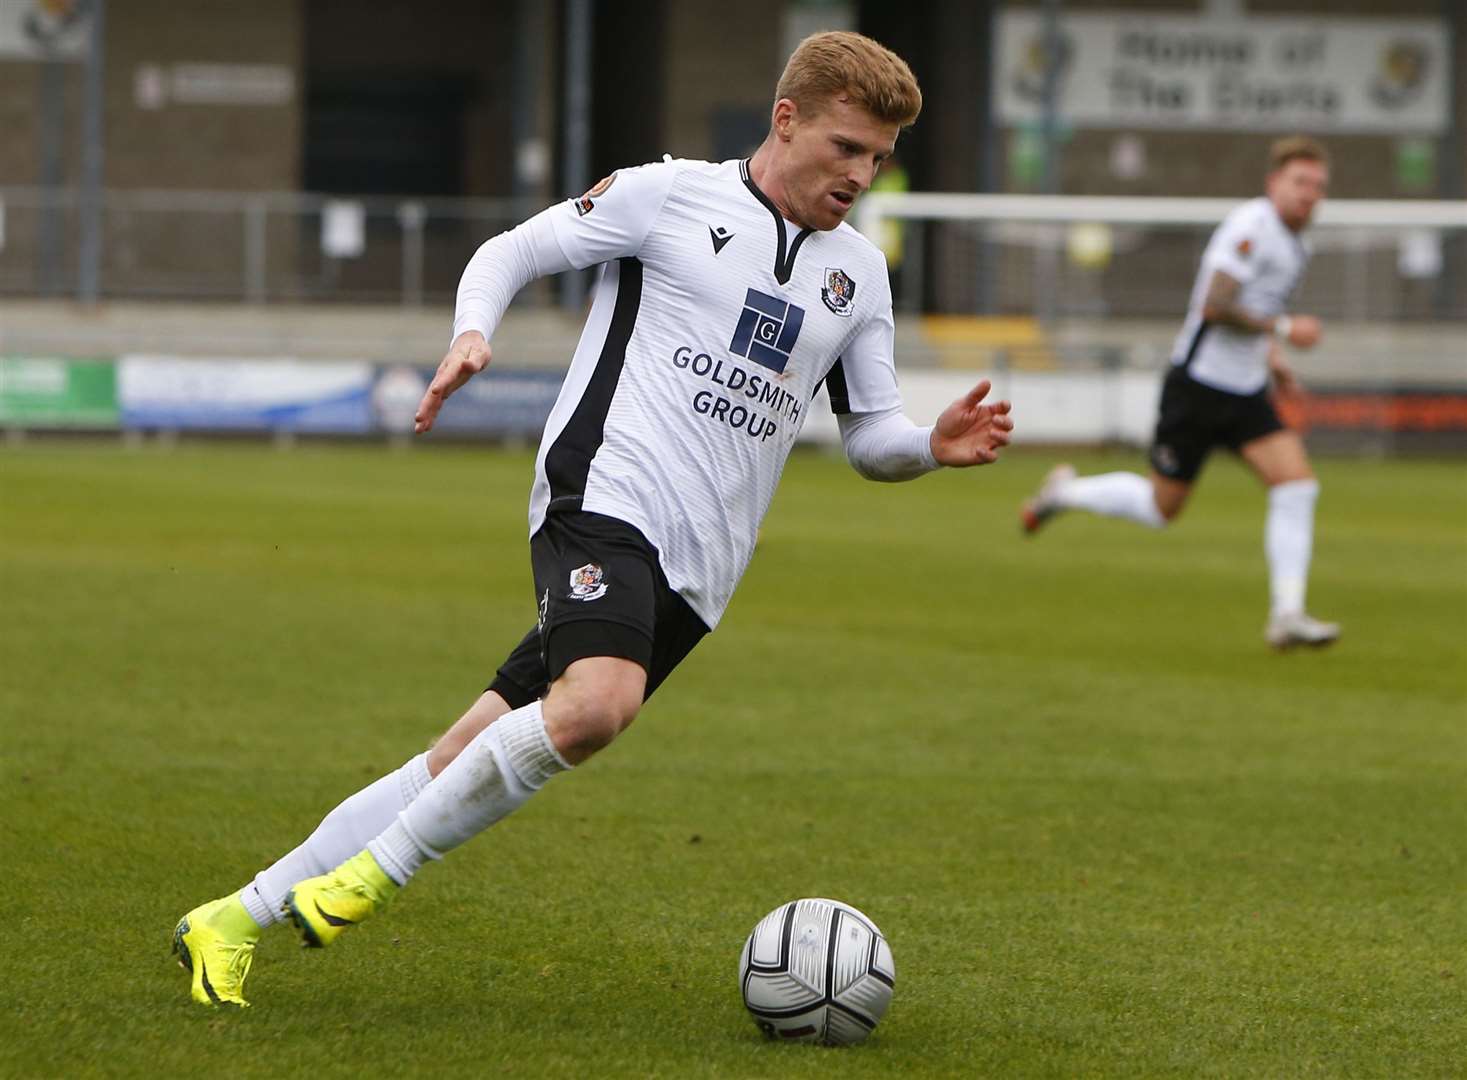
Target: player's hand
pixel 969 432
pixel 1304 331
pixel 468 356
pixel 1285 383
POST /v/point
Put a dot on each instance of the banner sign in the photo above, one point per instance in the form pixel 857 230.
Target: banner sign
pixel 44 391
pixel 1131 69
pixel 1430 419
pixel 245 395
pixel 44 29
pixel 499 404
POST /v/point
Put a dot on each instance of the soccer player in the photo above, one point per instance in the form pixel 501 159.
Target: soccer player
pixel 1217 392
pixel 728 294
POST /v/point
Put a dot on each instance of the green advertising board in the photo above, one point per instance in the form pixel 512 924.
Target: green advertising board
pixel 49 391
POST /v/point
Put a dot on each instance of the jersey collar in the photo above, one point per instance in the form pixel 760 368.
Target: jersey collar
pixel 784 265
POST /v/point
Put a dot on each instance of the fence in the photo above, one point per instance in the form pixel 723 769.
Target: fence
pixel 253 247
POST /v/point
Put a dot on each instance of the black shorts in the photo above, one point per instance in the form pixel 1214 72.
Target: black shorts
pixel 601 592
pixel 1195 418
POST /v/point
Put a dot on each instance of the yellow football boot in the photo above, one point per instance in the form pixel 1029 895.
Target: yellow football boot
pixel 216 944
pixel 322 907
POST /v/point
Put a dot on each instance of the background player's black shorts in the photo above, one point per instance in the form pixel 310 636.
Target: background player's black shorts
pixel 601 592
pixel 1195 418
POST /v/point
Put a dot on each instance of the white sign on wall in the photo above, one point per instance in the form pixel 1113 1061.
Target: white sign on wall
pixel 1129 69
pixel 43 29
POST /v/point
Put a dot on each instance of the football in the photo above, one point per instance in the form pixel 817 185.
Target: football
pixel 816 970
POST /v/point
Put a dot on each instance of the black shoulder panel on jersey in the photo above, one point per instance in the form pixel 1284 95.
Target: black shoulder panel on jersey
pixel 835 383
pixel 784 264
pixel 568 460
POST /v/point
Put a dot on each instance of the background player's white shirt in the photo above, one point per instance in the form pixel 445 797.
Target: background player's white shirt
pixel 713 324
pixel 1254 247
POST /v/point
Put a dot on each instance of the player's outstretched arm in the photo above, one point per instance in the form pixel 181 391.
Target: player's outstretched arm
pixel 970 432
pixel 468 356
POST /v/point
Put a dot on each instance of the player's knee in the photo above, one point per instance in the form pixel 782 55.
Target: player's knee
pixel 584 714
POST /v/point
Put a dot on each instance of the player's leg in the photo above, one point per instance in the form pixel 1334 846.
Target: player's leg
pixel 598 635
pixel 1281 462
pixel 215 941
pixel 1178 451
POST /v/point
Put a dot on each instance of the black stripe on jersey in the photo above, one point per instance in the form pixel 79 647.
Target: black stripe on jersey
pixel 835 384
pixel 569 458
pixel 1195 345
pixel 784 265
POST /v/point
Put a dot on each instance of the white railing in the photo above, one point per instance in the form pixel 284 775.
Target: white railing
pixel 1119 257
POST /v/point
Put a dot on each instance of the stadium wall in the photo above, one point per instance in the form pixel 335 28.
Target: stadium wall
pixel 289 397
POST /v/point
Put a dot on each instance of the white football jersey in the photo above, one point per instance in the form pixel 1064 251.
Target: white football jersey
pixel 1254 247
pixel 714 322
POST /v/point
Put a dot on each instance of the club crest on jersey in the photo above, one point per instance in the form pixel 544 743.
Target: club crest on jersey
pixel 587 202
pixel 767 330
pixel 839 292
pixel 587 583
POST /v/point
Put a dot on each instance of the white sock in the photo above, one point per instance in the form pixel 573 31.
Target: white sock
pixel 491 777
pixel 1288 540
pixel 1118 494
pixel 341 834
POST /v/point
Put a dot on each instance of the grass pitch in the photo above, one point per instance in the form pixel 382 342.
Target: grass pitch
pixel 1106 831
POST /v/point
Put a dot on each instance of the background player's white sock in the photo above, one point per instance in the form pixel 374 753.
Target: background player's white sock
pixel 1288 539
pixel 341 834
pixel 491 777
pixel 1118 494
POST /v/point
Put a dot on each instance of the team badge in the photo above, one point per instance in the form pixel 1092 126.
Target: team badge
pixel 587 583
pixel 587 202
pixel 839 292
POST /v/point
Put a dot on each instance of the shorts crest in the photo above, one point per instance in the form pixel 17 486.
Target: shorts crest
pixel 587 583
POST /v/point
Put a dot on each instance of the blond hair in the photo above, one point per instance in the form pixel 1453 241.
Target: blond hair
pixel 1296 148
pixel 839 63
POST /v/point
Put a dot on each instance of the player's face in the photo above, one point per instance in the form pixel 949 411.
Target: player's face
pixel 832 157
pixel 1296 188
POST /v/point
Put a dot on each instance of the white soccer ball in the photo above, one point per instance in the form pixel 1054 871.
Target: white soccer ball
pixel 817 970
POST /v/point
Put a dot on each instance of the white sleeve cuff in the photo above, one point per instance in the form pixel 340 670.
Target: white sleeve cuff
pixel 886 445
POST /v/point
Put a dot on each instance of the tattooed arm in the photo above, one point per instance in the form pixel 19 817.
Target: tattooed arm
pixel 1221 306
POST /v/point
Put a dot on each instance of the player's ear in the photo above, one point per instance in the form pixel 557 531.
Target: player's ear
pixel 786 115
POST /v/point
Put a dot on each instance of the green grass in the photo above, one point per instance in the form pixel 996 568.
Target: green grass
pixel 1106 831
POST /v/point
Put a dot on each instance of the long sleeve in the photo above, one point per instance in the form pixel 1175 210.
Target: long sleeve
pixel 886 445
pixel 502 267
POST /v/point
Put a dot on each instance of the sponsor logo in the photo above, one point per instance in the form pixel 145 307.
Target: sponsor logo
pixel 720 237
pixel 1245 247
pixel 587 202
pixel 839 292
pixel 767 330
pixel 587 583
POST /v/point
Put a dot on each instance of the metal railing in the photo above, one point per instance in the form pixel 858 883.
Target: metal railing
pixel 257 247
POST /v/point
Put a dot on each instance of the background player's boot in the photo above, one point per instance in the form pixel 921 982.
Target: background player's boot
pixel 1041 508
pixel 216 944
pixel 1296 628
pixel 323 907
